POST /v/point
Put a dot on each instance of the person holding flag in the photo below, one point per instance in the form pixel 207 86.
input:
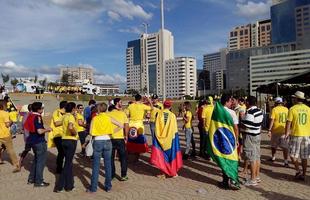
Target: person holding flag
pixel 137 142
pixel 166 152
pixel 222 142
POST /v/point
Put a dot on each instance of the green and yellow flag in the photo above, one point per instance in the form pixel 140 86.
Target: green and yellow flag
pixel 222 143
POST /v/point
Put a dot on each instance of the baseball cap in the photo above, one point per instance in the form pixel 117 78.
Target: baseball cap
pixel 278 100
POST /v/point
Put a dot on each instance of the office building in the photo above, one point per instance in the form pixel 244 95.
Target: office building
pixel 250 35
pixel 147 74
pixel 302 20
pixel 203 82
pixel 144 61
pixel 240 37
pixel 283 20
pixel 181 77
pixel 238 68
pixel 215 63
pixel 76 74
pixel 265 69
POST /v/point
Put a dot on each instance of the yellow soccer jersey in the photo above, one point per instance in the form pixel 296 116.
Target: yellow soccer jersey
pixel 279 115
pixel 137 111
pixel 121 117
pixel 299 115
pixel 68 118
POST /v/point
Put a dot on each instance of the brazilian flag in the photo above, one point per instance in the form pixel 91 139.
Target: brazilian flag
pixel 222 142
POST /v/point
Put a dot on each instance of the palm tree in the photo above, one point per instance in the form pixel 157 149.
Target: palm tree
pixel 5 78
pixel 14 83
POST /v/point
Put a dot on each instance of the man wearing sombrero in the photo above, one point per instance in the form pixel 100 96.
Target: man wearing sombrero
pixel 298 128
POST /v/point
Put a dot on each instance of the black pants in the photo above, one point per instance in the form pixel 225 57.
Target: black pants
pixel 82 136
pixel 66 178
pixel 60 155
pixel 202 147
pixel 120 146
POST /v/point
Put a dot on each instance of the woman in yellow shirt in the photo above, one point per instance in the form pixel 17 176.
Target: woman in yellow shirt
pixel 187 119
pixel 101 129
pixel 69 141
pixel 81 125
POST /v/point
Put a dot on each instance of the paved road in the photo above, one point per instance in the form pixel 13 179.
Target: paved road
pixel 197 179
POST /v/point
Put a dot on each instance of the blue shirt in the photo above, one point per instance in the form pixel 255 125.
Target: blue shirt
pixel 35 137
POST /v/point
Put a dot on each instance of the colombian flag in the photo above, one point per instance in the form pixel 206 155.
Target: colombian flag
pixel 166 152
pixel 138 143
pixel 222 143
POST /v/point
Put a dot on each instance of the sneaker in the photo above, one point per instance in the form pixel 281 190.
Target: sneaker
pixel 71 190
pixel 43 184
pixel 258 180
pixel 17 169
pixel 30 182
pixel 250 183
pixel 90 192
pixel 107 189
pixel 272 159
pixel 223 185
pixel 58 191
pixel 298 174
pixel 234 185
pixel 125 178
pixel 286 165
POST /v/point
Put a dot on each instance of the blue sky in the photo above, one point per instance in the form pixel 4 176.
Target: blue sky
pixel 37 36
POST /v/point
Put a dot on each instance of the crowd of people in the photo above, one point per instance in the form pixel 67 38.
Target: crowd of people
pixel 109 130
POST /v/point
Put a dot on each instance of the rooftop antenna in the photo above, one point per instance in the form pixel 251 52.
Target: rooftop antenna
pixel 162 50
pixel 162 14
pixel 145 25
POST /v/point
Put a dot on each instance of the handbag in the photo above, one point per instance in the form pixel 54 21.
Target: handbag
pixel 89 148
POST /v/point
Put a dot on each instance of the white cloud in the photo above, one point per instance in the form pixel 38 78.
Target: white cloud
pixel 131 30
pixel 253 10
pixel 120 8
pixel 59 25
pixel 106 78
pixel 53 73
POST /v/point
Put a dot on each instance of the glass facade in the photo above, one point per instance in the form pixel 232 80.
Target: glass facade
pixel 283 21
pixel 152 79
pixel 136 51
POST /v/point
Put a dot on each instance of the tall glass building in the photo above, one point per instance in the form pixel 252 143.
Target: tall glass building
pixel 283 20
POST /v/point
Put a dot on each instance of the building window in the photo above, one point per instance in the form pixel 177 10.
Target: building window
pixel 246 31
pixel 241 32
pixel 235 33
pixel 268 27
pixel 263 28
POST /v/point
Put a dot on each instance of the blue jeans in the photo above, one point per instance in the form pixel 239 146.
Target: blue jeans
pixel 102 148
pixel 152 128
pixel 38 163
pixel 188 137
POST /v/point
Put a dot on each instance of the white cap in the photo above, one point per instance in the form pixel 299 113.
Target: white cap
pixel 278 100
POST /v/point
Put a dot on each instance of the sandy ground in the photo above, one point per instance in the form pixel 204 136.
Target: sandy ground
pixel 197 179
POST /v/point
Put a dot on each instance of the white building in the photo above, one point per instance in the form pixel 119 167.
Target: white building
pixel 144 61
pixel 271 68
pixel 181 77
pixel 77 74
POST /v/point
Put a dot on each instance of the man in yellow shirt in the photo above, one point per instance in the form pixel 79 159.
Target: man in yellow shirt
pixel 137 110
pixel 69 142
pixel 156 107
pixel 298 127
pixel 54 137
pixel 5 137
pixel 119 136
pixel 206 116
pixel 277 130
